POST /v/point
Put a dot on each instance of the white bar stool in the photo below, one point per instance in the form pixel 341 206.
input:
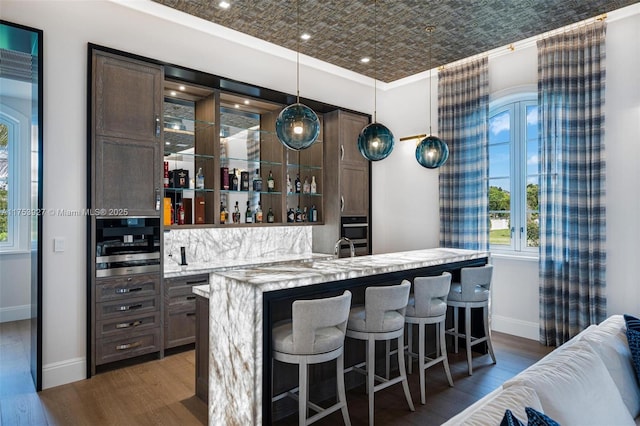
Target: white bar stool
pixel 428 305
pixel 315 334
pixel 381 318
pixel 472 291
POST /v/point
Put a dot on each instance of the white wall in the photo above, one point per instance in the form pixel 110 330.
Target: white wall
pixel 405 196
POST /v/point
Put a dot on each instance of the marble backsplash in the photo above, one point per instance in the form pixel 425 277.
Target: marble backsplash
pixel 211 245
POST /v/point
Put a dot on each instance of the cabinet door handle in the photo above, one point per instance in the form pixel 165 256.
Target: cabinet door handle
pixel 128 324
pixel 157 126
pixel 341 203
pixel 127 290
pixel 128 346
pixel 191 297
pixel 157 199
pixel 130 307
pixel 341 152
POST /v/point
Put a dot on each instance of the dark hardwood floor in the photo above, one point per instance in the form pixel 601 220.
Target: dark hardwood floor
pixel 161 391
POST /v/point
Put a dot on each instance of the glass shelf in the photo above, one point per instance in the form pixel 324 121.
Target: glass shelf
pixel 303 167
pixel 185 125
pixel 304 194
pixel 245 160
pixel 189 189
pixel 177 156
pixel 230 191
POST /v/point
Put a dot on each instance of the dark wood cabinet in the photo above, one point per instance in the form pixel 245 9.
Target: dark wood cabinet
pixel 127 135
pixel 180 309
pixel 346 178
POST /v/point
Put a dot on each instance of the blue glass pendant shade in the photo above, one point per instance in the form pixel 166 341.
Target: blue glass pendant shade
pixel 297 127
pixel 375 142
pixel 432 152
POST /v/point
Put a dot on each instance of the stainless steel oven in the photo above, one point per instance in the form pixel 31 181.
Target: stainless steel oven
pixel 127 246
pixel 356 228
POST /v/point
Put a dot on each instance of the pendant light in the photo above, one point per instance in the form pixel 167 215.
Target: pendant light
pixel 375 141
pixel 432 152
pixel 297 126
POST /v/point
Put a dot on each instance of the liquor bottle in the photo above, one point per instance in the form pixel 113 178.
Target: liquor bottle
pixel 180 214
pixel 270 216
pixel 223 214
pixel 258 218
pixel 271 184
pixel 313 214
pixel 224 178
pixel 298 215
pixel 248 216
pixel 166 174
pixel 200 179
pixel 298 184
pixel 289 187
pixel 244 181
pixel 291 216
pixel 173 215
pixel 304 214
pixel 236 214
pixel 306 186
pixel 234 181
pixel 314 186
pixel 257 181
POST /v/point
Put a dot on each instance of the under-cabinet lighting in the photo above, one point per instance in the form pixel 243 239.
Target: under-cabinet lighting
pixel 182 88
pixel 167 143
pixel 246 102
pixel 173 93
pixel 237 106
pixel 224 5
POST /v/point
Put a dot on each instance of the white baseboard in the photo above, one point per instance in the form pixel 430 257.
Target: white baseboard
pixel 63 372
pixel 516 327
pixel 15 313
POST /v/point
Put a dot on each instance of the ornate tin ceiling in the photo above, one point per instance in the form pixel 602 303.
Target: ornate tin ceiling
pixel 344 31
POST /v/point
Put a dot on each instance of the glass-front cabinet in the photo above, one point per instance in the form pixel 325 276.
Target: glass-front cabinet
pixel 224 165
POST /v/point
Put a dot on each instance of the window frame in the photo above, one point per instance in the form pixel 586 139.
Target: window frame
pixel 19 182
pixel 516 102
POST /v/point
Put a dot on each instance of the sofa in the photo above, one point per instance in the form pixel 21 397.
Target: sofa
pixel 590 380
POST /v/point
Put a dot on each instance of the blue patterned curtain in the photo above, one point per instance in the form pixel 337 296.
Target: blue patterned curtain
pixel 571 84
pixel 463 116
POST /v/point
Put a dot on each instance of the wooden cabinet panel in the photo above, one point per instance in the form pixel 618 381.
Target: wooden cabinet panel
pixel 123 347
pixel 180 309
pixel 350 127
pixel 354 190
pixel 128 97
pixel 123 288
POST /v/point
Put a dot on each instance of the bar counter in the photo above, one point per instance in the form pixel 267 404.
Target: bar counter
pixel 244 303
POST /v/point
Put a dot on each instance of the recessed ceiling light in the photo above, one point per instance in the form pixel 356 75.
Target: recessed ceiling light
pixel 173 93
pixel 305 36
pixel 246 102
pixel 365 60
pixel 182 88
pixel 224 5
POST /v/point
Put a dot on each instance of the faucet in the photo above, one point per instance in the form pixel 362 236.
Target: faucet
pixel 352 249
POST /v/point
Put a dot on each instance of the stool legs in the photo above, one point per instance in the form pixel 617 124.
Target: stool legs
pixel 455 328
pixel 302 393
pixel 342 396
pixel 371 357
pixel 403 372
pixel 421 354
pixel 443 352
pixel 485 314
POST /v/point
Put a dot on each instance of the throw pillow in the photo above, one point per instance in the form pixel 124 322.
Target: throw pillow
pixel 534 418
pixel 633 339
pixel 510 420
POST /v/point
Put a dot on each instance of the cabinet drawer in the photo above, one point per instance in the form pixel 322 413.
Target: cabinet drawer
pixel 143 285
pixel 121 308
pixel 124 325
pixel 189 280
pixel 122 347
pixel 180 294
pixel 181 328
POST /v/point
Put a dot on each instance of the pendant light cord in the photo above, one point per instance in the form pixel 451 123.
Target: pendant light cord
pixel 430 29
pixel 375 61
pixel 298 51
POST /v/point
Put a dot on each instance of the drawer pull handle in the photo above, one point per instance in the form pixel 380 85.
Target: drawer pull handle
pixel 190 314
pixel 128 346
pixel 130 307
pixel 191 297
pixel 206 281
pixel 127 290
pixel 128 324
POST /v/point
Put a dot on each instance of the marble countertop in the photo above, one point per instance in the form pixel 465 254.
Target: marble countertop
pixel 173 269
pixel 314 271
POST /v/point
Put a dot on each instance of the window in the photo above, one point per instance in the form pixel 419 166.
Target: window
pixel 514 174
pixel 14 162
